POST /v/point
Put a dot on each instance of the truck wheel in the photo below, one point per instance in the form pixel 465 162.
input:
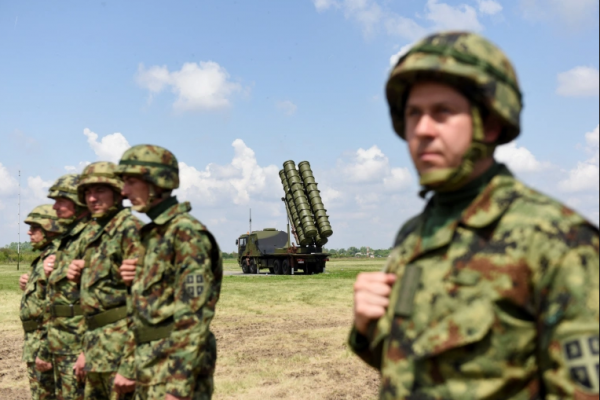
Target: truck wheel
pixel 277 267
pixel 245 268
pixel 285 267
pixel 253 267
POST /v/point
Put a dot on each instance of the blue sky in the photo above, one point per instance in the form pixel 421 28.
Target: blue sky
pixel 235 88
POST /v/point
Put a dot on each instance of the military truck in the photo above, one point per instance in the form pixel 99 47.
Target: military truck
pixel 310 227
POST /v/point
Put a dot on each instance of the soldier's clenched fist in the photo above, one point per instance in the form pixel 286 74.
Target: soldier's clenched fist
pixel 127 270
pixel 371 298
pixel 74 271
pixel 49 264
pixel 23 281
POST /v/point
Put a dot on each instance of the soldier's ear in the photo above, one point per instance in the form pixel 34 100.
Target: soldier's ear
pixel 492 128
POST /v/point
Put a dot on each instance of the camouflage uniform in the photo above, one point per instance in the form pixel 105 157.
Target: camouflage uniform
pixel 34 304
pixel 175 291
pixel 497 292
pixel 110 239
pixel 66 324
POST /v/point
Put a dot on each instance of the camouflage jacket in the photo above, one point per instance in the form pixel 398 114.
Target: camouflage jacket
pixel 178 284
pixel 109 242
pixel 65 334
pixel 34 304
pixel 501 302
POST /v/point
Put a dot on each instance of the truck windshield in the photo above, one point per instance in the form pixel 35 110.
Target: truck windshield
pixel 242 243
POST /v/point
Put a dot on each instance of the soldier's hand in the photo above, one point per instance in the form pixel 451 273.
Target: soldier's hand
pixel 371 298
pixel 79 368
pixel 127 270
pixel 123 385
pixel 49 264
pixel 171 397
pixel 23 281
pixel 42 366
pixel 74 271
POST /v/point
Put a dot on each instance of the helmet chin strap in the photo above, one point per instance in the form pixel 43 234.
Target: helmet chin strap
pixel 153 195
pixel 451 179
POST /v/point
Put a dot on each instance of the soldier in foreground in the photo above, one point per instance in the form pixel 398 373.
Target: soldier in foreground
pixel 66 324
pixel 110 237
pixel 176 287
pixel 43 230
pixel 492 291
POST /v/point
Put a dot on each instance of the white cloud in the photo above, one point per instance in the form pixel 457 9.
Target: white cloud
pixel 579 82
pixel 365 166
pixel 585 176
pixel 287 107
pixel 446 17
pixel 574 13
pixel 39 188
pixel 489 7
pixel 399 179
pixel 109 148
pixel 519 159
pixel 234 183
pixel 396 57
pixel 323 5
pixel 9 183
pixel 370 15
pixel 199 87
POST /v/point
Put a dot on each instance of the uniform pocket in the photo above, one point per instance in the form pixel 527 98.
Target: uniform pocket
pixel 465 326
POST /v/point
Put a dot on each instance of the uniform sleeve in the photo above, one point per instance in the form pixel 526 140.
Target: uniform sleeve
pixel 568 302
pixel 44 351
pixel 199 272
pixel 131 247
pixel 361 346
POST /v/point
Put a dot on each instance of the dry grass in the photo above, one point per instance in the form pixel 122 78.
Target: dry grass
pixel 278 337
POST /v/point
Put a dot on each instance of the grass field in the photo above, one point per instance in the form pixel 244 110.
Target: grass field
pixel 279 337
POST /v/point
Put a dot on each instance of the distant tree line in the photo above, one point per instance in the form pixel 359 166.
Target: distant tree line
pixel 358 252
pixel 9 254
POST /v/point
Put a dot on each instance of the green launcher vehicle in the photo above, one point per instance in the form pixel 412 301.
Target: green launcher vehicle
pixel 310 227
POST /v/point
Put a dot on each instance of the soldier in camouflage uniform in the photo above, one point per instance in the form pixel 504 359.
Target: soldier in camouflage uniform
pixel 66 324
pixel 177 286
pixel 111 237
pixel 44 228
pixel 492 291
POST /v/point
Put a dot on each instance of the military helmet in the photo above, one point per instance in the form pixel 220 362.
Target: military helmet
pixel 45 217
pixel 102 172
pixel 466 61
pixel 66 187
pixel 154 164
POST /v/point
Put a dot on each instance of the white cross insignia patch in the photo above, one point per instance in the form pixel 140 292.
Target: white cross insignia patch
pixel 194 285
pixel 582 356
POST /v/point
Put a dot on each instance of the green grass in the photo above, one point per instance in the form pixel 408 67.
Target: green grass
pixel 280 337
pixel 9 276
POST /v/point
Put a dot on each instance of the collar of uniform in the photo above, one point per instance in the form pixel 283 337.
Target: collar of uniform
pixel 171 212
pixel 493 202
pixel 156 211
pixel 44 252
pixel 78 226
pixel 470 214
pixel 112 223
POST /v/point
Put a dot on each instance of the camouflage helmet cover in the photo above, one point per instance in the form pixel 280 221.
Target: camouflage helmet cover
pixel 461 59
pixel 45 217
pixel 66 187
pixel 154 164
pixel 102 172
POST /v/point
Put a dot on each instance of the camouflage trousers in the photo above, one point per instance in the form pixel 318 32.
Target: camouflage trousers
pixel 67 386
pixel 99 386
pixel 41 383
pixel 203 390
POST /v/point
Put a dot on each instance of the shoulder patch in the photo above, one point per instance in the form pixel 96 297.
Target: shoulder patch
pixel 194 285
pixel 582 359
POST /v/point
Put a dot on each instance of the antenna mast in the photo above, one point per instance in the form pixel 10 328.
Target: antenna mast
pixel 250 220
pixel 19 224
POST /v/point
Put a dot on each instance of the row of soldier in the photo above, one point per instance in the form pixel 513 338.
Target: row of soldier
pixel 95 330
pixel 492 292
